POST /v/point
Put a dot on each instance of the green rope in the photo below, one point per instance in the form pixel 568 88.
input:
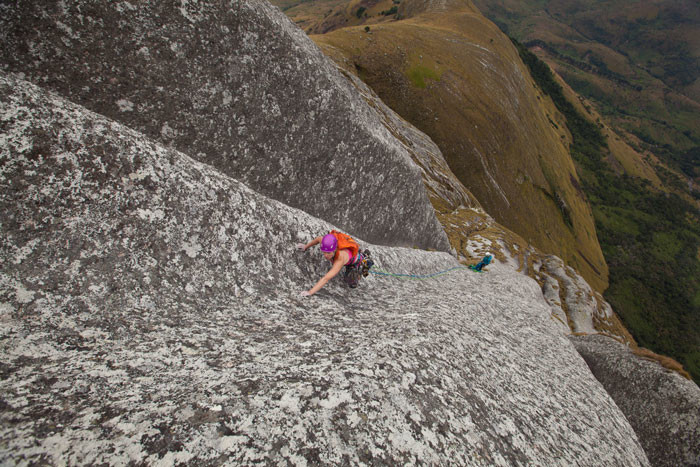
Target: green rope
pixel 379 272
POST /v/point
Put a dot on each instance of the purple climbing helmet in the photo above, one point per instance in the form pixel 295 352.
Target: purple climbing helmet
pixel 329 243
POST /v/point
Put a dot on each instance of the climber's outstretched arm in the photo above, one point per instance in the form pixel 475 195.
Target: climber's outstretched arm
pixel 335 269
pixel 313 242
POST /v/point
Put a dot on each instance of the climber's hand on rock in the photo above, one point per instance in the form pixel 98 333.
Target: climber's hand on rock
pixel 301 246
pixel 305 293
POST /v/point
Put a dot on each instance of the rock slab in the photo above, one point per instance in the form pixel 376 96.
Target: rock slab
pixel 237 85
pixel 150 313
pixel 661 405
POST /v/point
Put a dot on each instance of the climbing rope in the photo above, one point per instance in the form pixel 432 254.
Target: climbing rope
pixel 415 276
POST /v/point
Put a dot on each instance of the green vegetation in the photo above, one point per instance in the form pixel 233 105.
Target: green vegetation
pixel 633 60
pixel 419 73
pixel 663 130
pixel 650 240
pixel 360 11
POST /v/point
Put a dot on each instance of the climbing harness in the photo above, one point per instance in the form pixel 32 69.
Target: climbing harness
pixel 361 267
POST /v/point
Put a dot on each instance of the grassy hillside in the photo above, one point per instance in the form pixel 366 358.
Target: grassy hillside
pixel 321 16
pixel 639 62
pixel 650 238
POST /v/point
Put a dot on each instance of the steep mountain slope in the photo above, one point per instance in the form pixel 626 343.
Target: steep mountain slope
pixel 648 228
pixel 150 313
pixel 454 75
pixel 638 61
pixel 344 14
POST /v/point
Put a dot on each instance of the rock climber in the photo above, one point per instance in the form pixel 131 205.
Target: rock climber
pixel 341 250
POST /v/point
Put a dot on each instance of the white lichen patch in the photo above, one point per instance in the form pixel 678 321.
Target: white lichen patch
pixel 227 98
pixel 290 402
pixel 151 216
pixel 167 132
pixel 192 248
pixel 23 252
pixel 191 9
pixel 22 295
pixel 67 29
pixel 335 399
pixel 125 105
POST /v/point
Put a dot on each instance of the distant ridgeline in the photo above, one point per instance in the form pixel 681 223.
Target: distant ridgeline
pixel 650 239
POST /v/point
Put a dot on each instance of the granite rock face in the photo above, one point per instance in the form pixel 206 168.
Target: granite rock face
pixel 572 299
pixel 236 85
pixel 661 405
pixel 150 313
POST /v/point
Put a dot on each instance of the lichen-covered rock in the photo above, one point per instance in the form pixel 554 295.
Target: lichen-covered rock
pixel 150 313
pixel 238 86
pixel 662 406
pixel 572 299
